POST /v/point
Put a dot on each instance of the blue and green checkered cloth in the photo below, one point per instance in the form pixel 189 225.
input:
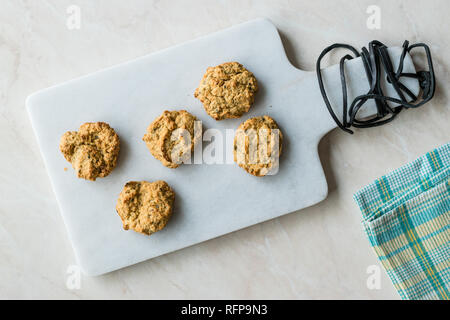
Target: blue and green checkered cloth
pixel 406 215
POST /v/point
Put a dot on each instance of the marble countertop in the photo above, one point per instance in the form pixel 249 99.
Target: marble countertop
pixel 318 252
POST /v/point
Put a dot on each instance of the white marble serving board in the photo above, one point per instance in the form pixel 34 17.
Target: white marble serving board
pixel 211 200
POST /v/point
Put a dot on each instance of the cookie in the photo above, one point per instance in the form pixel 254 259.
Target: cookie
pixel 92 150
pixel 164 140
pixel 227 90
pixel 257 146
pixel 145 207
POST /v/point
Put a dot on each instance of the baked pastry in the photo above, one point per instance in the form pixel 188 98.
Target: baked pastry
pixel 92 150
pixel 168 144
pixel 257 146
pixel 145 207
pixel 227 90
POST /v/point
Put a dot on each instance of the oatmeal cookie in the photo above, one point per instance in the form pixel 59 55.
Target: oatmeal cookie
pixel 256 146
pixel 145 207
pixel 160 137
pixel 92 150
pixel 227 90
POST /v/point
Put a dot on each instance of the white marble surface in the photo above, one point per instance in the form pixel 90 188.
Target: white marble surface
pixel 319 252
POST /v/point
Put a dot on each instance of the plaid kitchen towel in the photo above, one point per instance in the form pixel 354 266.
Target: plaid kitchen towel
pixel 406 215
